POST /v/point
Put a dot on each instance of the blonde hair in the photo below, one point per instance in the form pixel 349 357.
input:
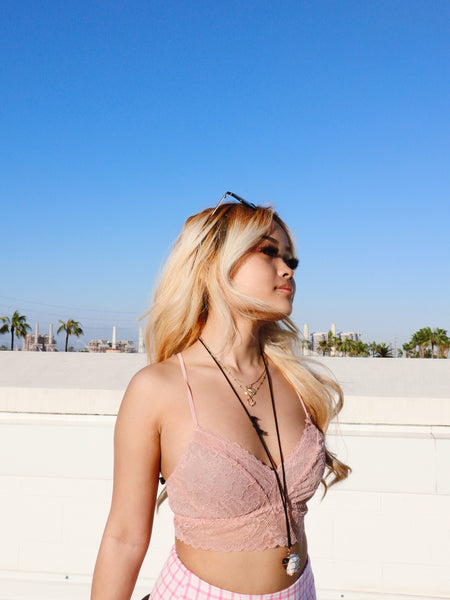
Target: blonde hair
pixel 199 268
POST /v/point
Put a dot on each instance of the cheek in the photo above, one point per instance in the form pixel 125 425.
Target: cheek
pixel 249 277
pixel 243 282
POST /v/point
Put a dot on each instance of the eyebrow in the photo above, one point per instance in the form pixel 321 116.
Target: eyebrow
pixel 275 241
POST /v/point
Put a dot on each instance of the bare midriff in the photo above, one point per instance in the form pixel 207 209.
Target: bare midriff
pixel 244 572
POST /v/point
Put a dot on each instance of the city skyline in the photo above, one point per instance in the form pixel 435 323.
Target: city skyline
pixel 124 334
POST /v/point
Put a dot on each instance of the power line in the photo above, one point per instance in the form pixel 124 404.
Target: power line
pixel 78 308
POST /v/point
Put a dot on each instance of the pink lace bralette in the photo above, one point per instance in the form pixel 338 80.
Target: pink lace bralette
pixel 226 499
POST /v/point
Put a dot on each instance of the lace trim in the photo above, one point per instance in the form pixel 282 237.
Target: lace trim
pixel 227 442
pixel 241 533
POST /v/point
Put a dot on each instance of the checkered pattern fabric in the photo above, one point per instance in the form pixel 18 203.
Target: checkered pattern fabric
pixel 176 582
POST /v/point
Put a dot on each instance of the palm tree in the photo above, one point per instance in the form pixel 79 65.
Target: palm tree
pixel 443 349
pixel 442 342
pixel 426 337
pixel 71 327
pixel 434 336
pixel 372 347
pixel 332 341
pixel 17 325
pixel 344 346
pixel 409 349
pixel 323 345
pixel 383 351
pixel 421 340
pixel 359 348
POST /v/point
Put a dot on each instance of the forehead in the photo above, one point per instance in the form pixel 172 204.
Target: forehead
pixel 278 234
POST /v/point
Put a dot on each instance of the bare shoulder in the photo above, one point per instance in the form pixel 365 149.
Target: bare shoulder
pixel 159 379
pixel 153 389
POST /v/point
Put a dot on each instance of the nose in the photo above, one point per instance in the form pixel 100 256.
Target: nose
pixel 285 271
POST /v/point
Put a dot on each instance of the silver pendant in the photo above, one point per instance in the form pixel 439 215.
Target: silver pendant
pixel 291 563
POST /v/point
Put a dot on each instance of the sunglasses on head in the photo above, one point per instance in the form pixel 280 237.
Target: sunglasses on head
pixel 291 262
pixel 236 197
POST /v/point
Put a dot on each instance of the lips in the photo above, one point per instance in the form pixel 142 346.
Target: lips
pixel 285 288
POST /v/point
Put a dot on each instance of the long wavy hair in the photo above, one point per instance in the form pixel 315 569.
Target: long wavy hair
pixel 200 267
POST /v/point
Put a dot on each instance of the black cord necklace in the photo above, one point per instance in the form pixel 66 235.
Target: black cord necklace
pixel 292 561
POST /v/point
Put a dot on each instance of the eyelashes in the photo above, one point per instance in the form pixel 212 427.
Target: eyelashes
pixel 292 263
pixel 272 251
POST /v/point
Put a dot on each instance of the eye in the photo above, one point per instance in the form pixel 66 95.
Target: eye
pixel 270 251
pixel 273 252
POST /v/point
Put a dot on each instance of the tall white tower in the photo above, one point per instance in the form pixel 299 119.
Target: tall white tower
pixel 306 351
pixel 141 340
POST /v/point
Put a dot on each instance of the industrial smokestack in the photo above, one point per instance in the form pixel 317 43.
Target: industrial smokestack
pixel 306 339
pixel 50 333
pixel 114 337
pixel 37 333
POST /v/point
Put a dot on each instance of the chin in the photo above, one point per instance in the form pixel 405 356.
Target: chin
pixel 281 312
pixel 285 307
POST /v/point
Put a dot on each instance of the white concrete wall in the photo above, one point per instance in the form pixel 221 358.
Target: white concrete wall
pixel 382 534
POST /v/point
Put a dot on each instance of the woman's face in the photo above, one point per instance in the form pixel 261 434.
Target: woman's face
pixel 264 275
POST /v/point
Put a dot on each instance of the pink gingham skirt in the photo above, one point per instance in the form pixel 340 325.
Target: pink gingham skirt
pixel 176 582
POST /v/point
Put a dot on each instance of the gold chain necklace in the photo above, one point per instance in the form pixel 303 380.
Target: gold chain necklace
pixel 249 390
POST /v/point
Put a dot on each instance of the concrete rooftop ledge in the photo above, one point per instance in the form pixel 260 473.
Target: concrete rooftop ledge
pixel 391 377
pixel 377 391
pixel 68 370
pixel 357 409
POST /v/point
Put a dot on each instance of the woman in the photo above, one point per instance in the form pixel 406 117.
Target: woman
pixel 228 414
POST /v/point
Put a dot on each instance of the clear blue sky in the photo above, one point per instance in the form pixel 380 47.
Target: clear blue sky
pixel 119 119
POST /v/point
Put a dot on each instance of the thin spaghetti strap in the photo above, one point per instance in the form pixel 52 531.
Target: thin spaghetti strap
pixel 304 407
pixel 189 391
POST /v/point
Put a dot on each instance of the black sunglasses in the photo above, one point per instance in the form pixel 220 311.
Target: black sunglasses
pixel 236 197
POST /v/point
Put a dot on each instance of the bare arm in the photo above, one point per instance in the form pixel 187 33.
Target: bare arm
pixel 136 469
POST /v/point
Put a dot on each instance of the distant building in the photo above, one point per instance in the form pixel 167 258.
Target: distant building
pixel 350 335
pixel 98 345
pixel 316 338
pixel 124 346
pixel 42 342
pixel 319 336
pixel 108 346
